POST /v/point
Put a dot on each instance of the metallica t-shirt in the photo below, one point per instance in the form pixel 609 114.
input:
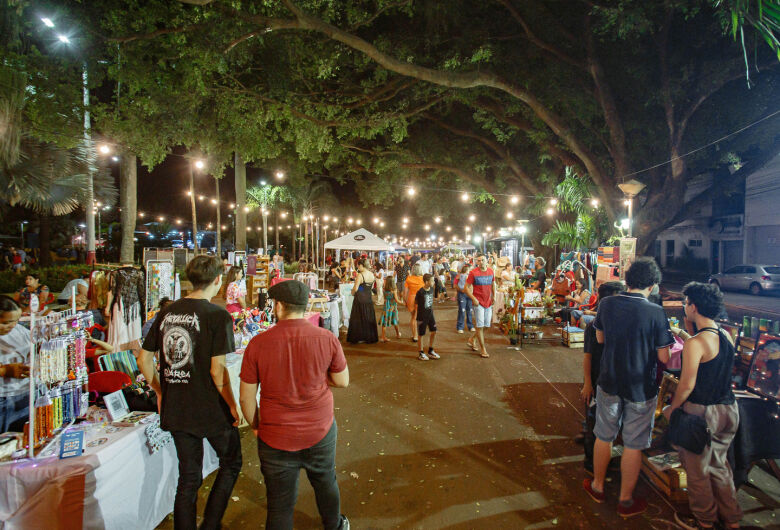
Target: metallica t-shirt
pixel 187 334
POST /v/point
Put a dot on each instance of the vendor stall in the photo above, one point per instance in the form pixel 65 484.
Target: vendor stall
pixel 361 240
pixel 120 482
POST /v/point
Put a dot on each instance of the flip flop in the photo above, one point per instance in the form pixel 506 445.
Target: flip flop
pixel 484 355
pixel 472 346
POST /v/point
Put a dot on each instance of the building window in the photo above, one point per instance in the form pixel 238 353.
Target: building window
pixel 669 248
pixel 694 242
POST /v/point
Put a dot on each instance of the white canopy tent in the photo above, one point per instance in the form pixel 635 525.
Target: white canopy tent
pixel 458 247
pixel 360 239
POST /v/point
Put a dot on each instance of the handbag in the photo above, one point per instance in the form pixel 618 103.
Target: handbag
pixel 689 431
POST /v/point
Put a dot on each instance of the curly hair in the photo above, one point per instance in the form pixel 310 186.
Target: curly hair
pixel 706 297
pixel 643 273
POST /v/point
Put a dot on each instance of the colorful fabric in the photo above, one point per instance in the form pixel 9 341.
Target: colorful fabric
pixel 235 291
pixel 390 317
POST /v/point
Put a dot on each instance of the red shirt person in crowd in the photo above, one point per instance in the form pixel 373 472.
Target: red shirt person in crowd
pixel 293 363
pixel 481 287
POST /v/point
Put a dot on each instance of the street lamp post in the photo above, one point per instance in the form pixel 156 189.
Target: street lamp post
pixel 21 224
pixel 631 189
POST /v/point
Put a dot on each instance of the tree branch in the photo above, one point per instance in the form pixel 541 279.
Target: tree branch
pixel 560 54
pixel 523 178
pixel 464 80
pixel 158 33
pixel 379 13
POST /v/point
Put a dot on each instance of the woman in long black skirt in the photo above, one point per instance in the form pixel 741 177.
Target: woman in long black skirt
pixel 362 320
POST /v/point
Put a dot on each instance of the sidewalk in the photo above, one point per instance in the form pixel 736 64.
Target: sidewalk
pixel 460 443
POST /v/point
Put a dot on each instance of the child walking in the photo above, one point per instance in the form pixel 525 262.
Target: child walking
pixel 424 302
pixel 390 316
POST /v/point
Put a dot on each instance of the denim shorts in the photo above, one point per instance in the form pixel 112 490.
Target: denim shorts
pixel 637 419
pixel 482 316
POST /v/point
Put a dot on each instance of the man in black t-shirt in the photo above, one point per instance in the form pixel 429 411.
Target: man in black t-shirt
pixel 425 320
pixel 636 335
pixel 540 278
pixel 591 363
pixel 192 336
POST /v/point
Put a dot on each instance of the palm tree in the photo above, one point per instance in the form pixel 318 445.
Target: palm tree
pixel 585 224
pixel 41 176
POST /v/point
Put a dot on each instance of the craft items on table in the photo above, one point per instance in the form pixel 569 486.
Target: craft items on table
pixel 248 323
pixel 59 376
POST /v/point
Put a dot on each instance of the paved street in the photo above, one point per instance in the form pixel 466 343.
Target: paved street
pixel 460 443
pixel 740 304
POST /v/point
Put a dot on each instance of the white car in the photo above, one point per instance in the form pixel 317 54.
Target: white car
pixel 749 277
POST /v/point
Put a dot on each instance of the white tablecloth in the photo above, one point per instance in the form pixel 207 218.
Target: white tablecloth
pixel 345 292
pixel 117 485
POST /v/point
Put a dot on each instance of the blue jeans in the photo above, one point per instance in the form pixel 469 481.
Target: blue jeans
pixel 464 311
pixel 189 450
pixel 14 409
pixel 281 469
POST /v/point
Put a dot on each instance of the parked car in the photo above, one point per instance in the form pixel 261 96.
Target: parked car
pixel 749 277
pixel 177 243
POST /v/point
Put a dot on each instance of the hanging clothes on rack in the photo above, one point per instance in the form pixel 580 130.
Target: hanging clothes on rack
pixel 125 308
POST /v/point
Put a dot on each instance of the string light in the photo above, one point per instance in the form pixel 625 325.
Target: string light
pixel 411 191
pixel 515 199
pixel 200 164
pixel 550 211
pixel 553 202
pixel 437 219
pixel 472 218
pixel 465 197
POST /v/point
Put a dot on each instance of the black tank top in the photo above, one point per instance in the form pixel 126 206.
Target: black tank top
pixel 713 380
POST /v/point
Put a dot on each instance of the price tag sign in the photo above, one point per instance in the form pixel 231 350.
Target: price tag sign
pixel 71 444
pixel 34 303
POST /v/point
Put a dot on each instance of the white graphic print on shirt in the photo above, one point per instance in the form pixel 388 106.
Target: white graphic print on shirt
pixel 179 335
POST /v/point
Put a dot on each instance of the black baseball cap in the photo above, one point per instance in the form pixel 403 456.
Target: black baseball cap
pixel 290 292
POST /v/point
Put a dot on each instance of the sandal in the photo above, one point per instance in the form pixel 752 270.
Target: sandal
pixel 484 355
pixel 472 346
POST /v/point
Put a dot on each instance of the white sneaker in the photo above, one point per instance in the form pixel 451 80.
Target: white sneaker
pixel 472 330
pixel 460 331
pixel 422 356
pixel 433 355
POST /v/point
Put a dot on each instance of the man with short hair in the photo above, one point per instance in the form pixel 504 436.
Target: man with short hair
pixel 293 363
pixel 196 401
pixel 540 277
pixel 481 288
pixel 425 264
pixel 636 335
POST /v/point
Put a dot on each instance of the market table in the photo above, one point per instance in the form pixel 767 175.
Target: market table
pixel 117 484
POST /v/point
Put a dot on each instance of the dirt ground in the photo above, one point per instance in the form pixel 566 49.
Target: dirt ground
pixel 462 443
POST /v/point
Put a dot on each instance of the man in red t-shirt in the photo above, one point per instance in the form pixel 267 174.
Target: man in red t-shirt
pixel 481 287
pixel 293 363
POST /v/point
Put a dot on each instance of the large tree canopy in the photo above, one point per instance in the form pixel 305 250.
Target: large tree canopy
pixel 497 97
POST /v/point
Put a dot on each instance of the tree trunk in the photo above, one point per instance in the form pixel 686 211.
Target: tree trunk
pixel 219 222
pixel 306 239
pixel 277 232
pixel 128 204
pixel 44 239
pixel 194 212
pixel 240 213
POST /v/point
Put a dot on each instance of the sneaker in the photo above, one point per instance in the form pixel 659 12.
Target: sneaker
pixel 597 496
pixel 472 330
pixel 422 356
pixel 460 331
pixel 433 355
pixel 637 506
pixel 344 523
pixel 688 521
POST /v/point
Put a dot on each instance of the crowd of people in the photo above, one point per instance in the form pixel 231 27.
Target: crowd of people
pixel 627 341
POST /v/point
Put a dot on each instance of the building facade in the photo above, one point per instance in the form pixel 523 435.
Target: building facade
pixel 734 228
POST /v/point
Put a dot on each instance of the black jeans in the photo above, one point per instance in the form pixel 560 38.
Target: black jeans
pixel 280 471
pixel 189 449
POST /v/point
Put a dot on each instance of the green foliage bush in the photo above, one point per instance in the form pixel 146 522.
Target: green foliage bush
pixel 54 277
